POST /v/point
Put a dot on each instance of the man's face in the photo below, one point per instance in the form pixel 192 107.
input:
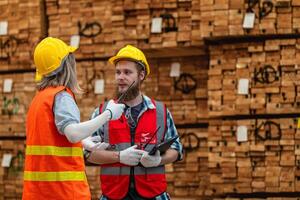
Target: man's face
pixel 126 74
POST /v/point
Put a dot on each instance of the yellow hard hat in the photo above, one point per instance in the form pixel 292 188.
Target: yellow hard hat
pixel 131 53
pixel 49 54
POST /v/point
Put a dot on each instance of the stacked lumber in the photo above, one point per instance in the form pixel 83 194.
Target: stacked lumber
pixel 11 177
pixel 93 177
pixel 183 18
pixel 270 67
pixel 23 31
pixel 226 18
pixel 91 20
pixel 184 106
pixel 267 161
pixel 14 104
pixel 107 26
pixel 189 177
pixel 119 33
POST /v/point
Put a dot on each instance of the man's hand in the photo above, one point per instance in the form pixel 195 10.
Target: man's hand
pixel 94 144
pixel 151 161
pixel 131 156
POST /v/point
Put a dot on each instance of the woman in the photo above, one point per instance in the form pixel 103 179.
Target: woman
pixel 54 165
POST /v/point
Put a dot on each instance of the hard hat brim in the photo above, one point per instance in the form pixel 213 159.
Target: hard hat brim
pixel 38 77
pixel 114 59
pixel 72 49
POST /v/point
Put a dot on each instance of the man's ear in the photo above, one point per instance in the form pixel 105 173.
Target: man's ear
pixel 142 75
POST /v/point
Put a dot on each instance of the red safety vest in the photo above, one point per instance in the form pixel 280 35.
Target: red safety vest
pixel 54 167
pixel 115 178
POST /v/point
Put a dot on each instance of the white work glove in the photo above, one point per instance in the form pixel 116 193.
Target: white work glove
pixel 151 161
pixel 116 109
pixel 94 144
pixel 131 156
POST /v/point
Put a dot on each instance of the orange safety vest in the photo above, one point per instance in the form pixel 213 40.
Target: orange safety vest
pixel 115 178
pixel 54 167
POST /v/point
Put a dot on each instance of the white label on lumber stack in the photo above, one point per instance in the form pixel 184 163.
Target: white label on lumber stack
pixel 156 26
pixel 241 65
pixel 99 86
pixel 3 27
pixel 6 160
pixel 7 85
pixel 75 40
pixel 242 135
pixel 249 20
pixel 175 69
pixel 243 87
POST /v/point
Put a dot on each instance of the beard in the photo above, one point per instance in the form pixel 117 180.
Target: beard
pixel 132 93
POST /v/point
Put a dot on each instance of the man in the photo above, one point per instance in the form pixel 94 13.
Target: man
pixel 127 170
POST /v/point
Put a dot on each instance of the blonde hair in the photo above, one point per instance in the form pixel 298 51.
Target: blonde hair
pixel 65 75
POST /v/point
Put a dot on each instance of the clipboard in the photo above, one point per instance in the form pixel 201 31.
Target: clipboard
pixel 164 146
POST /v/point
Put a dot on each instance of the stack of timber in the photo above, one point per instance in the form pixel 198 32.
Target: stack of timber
pixel 270 69
pixel 266 161
pixel 222 18
pixel 21 29
pixel 91 20
pixel 14 104
pixel 11 176
pixel 105 27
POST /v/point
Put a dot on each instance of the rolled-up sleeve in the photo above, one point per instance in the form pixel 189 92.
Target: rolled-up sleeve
pixel 66 111
pixel 172 132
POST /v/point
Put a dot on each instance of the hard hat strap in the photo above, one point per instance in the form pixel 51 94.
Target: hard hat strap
pixel 141 63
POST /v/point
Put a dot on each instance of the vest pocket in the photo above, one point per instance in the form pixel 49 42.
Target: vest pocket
pixel 119 135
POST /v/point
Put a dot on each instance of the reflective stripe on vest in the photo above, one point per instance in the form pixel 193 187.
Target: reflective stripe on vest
pixel 54 176
pixel 160 121
pixel 124 170
pixel 137 170
pixel 53 151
